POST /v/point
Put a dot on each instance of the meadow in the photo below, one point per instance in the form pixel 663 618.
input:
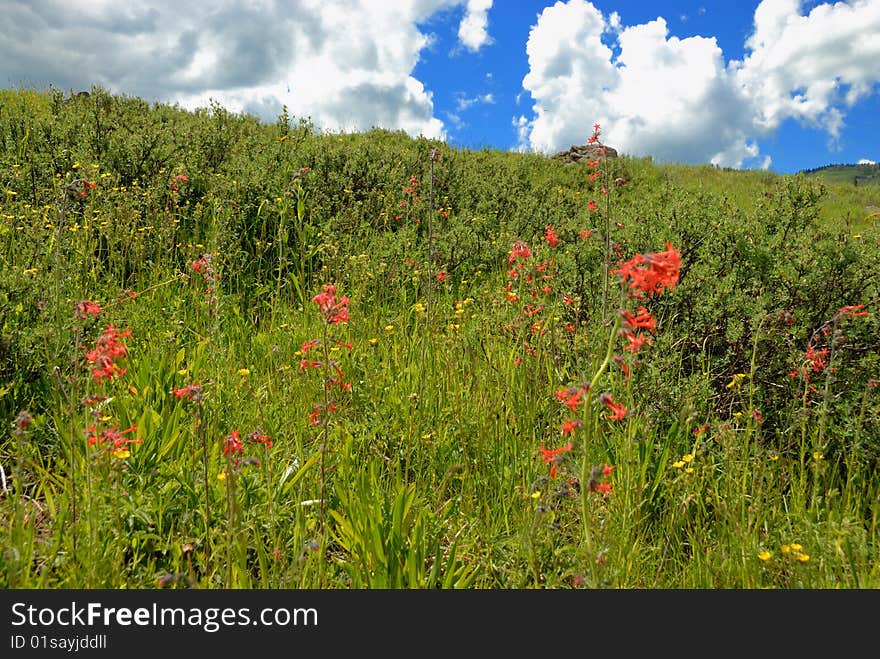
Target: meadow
pixel 241 355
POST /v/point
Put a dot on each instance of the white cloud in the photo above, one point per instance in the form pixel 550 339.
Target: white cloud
pixel 463 102
pixel 347 64
pixel 806 67
pixel 678 99
pixel 473 29
pixel 865 161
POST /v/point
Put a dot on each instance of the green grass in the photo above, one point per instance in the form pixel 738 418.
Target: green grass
pixel 406 442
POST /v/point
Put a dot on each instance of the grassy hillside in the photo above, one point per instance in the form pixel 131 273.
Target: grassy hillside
pixel 856 175
pixel 245 355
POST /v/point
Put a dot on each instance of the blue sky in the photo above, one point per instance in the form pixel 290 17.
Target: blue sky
pixel 777 84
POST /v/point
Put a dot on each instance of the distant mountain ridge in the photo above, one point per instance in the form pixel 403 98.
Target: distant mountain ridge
pixel 862 174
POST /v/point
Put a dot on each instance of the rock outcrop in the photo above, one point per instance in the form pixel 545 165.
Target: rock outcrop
pixel 585 152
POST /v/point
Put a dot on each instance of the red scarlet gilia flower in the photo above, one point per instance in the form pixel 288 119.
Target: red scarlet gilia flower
pixel 107 351
pixel 87 308
pixel 550 236
pixel 649 273
pixel 232 444
pixel 333 308
pixel 618 411
pixel 596 482
pixel 554 456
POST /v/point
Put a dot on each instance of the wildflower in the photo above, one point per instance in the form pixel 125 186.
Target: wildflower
pixel 643 319
pixel 22 422
pixel 735 380
pixel 519 250
pixel 244 372
pixel 573 396
pixel 442 276
pixel 87 308
pixel 550 236
pixel 651 273
pixel 333 308
pixel 177 180
pixel 106 352
pixel 687 457
pixel 190 392
pixel 765 555
pixel 554 456
pixel 232 444
pixel 757 416
pixel 87 185
pixel 257 437
pixel 307 346
pixel 636 341
pixel 591 206
pixel 852 311
pixel 701 429
pixel 678 464
pixel 618 411
pixel 596 482
pixel 570 425
pixel 113 440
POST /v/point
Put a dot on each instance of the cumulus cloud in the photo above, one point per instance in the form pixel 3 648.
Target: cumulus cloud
pixel 811 67
pixel 865 161
pixel 473 30
pixel 678 98
pixel 346 64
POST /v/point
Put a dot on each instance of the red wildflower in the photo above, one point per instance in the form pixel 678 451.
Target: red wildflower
pixel 86 308
pixel 550 236
pixel 112 439
pixel 618 411
pixel 87 185
pixel 333 308
pixel 816 358
pixel 257 437
pixel 623 367
pixel 107 351
pixel 591 205
pixel 651 273
pixel 573 396
pixel 306 347
pixel 554 456
pixel 519 250
pixel 852 311
pixel 644 320
pixel 22 421
pixel 570 425
pixel 190 392
pixel 596 482
pixel 233 444
pixel 701 429
pixel 442 276
pixel 635 341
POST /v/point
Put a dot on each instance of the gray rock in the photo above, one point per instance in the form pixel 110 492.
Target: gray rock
pixel 585 152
